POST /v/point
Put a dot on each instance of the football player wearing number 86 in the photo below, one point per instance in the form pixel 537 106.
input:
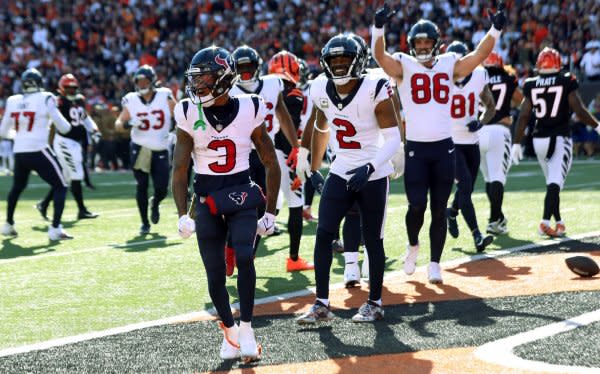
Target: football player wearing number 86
pixel 551 95
pixel 148 112
pixel 218 131
pixel 357 112
pixel 425 88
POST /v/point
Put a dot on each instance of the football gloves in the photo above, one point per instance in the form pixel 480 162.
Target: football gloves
pixel 292 160
pixel 383 15
pixel 134 122
pixel 516 153
pixel 303 164
pixel 474 125
pixel 317 181
pixel 499 18
pixel 266 225
pixel 398 163
pixel 186 226
pixel 360 177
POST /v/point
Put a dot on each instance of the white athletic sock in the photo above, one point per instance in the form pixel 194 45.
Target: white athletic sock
pixel 324 301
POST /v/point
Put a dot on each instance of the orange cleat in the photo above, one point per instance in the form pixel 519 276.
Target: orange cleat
pixel 560 229
pixel 299 265
pixel 546 230
pixel 229 261
pixel 307 215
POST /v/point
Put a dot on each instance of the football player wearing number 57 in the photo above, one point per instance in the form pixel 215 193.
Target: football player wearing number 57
pixel 424 80
pixel 551 95
pixel 148 112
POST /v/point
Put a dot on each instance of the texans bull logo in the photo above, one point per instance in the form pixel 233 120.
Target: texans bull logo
pixel 238 197
pixel 222 61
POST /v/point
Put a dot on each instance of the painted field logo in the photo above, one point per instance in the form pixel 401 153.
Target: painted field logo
pixel 238 197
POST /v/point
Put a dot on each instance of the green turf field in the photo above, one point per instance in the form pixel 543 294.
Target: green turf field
pixel 109 276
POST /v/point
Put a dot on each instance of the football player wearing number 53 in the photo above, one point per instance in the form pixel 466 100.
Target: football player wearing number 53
pixel 218 131
pixel 424 80
pixel 148 112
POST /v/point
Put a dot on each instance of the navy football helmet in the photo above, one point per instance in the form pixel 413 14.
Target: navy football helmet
pixel 144 71
pixel 364 48
pixel 211 74
pixel 342 46
pixel 248 64
pixel 428 30
pixel 458 47
pixel 32 81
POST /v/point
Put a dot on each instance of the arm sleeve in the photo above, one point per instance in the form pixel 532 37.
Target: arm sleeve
pixel 62 125
pixel 391 136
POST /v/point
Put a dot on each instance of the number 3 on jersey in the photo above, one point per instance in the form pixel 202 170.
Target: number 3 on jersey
pixel 159 115
pixel 230 154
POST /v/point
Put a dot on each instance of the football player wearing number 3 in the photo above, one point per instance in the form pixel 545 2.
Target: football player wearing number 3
pixel 29 113
pixel 425 88
pixel 551 95
pixel 148 112
pixel 218 131
pixel 357 112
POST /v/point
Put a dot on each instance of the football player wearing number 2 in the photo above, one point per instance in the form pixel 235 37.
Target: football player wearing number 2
pixel 148 112
pixel 357 112
pixel 551 95
pixel 218 131
pixel 425 87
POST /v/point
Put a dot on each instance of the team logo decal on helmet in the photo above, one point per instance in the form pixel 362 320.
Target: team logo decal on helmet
pixel 211 74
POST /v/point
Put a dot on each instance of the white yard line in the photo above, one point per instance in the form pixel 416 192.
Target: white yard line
pixel 189 317
pixel 500 352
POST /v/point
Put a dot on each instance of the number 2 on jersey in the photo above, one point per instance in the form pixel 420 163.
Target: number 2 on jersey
pixel 29 115
pixel 345 130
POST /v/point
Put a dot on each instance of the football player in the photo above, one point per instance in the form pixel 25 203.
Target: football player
pixel 30 114
pixel 7 156
pixel 306 78
pixel 552 96
pixel 424 80
pixel 284 103
pixel 465 126
pixel 218 131
pixel 495 139
pixel 356 111
pixel 148 112
pixel 69 147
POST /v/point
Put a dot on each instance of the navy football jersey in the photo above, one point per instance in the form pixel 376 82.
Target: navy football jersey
pixel 549 96
pixel 502 85
pixel 294 101
pixel 74 112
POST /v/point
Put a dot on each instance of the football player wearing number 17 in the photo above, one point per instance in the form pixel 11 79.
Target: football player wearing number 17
pixel 148 112
pixel 551 95
pixel 425 87
pixel 218 131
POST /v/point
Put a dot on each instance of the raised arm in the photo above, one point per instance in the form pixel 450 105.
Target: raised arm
pixel 385 60
pixel 469 62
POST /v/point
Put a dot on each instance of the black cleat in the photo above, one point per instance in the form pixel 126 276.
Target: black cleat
pixel 86 214
pixel 337 246
pixel 482 241
pixel 43 209
pixel 145 229
pixel 154 212
pixel 452 224
pixel 276 231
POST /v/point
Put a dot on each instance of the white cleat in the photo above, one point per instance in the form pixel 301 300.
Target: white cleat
pixel 9 230
pixel 57 233
pixel 249 349
pixel 351 275
pixel 434 273
pixel 365 265
pixel 410 260
pixel 230 348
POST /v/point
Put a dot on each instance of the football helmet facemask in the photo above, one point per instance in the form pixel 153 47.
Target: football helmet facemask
pixel 211 74
pixel 427 30
pixel 32 81
pixel 248 65
pixel 147 72
pixel 341 46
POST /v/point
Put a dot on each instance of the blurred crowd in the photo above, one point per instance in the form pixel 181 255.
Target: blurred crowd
pixel 103 43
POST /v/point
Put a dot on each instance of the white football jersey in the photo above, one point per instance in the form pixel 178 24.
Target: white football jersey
pixel 355 136
pixel 31 115
pixel 269 88
pixel 425 94
pixel 465 106
pixel 155 117
pixel 226 151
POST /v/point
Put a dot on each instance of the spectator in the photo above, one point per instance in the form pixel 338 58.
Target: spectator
pixel 590 62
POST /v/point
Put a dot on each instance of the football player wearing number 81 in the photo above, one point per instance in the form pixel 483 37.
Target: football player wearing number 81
pixel 148 112
pixel 218 131
pixel 425 88
pixel 357 112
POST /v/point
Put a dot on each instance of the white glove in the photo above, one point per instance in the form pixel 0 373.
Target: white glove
pixel 516 153
pixel 186 226
pixel 135 122
pixel 266 224
pixel 398 162
pixel 597 128
pixel 303 165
